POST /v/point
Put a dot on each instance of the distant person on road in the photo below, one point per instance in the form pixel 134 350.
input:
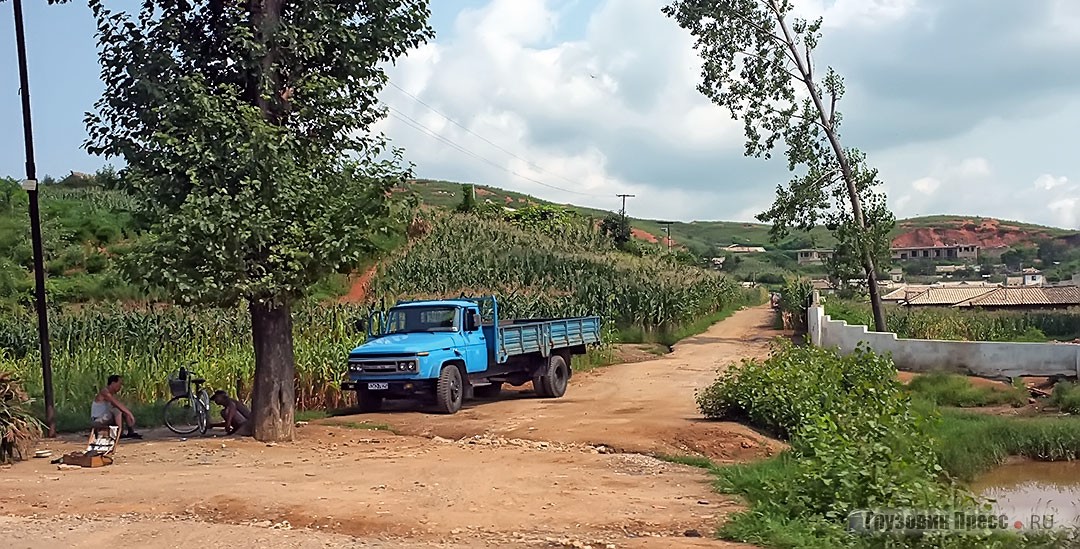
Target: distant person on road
pixel 237 416
pixel 107 410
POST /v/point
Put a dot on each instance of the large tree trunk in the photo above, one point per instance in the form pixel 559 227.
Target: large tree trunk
pixel 273 397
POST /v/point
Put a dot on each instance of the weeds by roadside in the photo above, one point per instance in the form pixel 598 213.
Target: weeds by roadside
pixel 972 443
pixel 859 441
pixel 19 429
pixel 945 389
pixel 1066 397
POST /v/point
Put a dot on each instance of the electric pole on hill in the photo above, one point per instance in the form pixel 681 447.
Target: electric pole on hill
pixel 622 212
pixel 667 233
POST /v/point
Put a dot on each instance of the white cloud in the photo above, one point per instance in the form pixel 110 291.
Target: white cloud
pixel 974 167
pixel 926 185
pixel 1048 182
pixel 603 112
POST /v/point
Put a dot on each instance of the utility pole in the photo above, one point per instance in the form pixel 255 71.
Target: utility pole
pixel 31 186
pixel 667 233
pixel 623 210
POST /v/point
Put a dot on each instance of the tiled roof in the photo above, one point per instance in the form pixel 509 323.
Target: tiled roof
pixel 1012 297
pixel 904 291
pixel 946 296
pixel 911 290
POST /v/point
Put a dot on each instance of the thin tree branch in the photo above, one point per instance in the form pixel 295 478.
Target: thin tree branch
pixel 832 111
pixel 764 31
pixel 809 61
pixel 795 115
pixel 794 75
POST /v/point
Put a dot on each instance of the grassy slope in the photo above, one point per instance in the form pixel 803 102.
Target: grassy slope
pixel 709 233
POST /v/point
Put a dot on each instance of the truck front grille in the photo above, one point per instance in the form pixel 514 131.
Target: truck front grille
pixel 373 367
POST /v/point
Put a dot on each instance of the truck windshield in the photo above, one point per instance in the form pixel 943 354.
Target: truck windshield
pixel 421 319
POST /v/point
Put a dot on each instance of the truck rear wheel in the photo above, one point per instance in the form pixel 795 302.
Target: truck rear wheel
pixel 552 379
pixel 449 392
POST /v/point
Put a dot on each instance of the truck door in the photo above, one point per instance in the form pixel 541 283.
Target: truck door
pixel 476 351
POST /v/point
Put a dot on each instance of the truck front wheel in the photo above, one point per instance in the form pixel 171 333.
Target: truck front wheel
pixel 449 392
pixel 551 380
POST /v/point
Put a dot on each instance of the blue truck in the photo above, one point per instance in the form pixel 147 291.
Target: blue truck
pixel 445 351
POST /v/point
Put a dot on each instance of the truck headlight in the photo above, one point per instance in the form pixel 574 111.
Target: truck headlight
pixel 407 365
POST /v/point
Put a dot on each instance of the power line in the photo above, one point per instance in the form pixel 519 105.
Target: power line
pixel 486 140
pixel 623 196
pixel 416 125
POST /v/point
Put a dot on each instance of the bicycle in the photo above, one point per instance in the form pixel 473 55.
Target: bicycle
pixel 186 401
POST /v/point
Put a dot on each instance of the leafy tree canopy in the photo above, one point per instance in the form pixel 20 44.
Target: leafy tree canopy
pixel 245 131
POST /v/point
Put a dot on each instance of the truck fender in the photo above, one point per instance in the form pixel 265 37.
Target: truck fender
pixel 466 384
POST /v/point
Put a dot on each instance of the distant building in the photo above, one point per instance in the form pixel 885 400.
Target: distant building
pixel 737 249
pixel 815 256
pixel 950 269
pixel 1033 277
pixel 896 274
pixel 956 251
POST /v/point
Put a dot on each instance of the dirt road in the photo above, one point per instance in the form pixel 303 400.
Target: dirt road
pixel 514 472
pixel 646 407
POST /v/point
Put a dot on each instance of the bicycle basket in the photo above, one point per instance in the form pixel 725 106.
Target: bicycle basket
pixel 178 387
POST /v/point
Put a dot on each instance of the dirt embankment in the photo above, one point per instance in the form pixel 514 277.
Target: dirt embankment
pixel 986 233
pixel 513 472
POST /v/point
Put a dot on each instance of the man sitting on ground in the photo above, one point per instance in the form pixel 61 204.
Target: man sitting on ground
pixel 237 416
pixel 106 410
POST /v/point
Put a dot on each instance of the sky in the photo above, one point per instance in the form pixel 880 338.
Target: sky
pixel 966 107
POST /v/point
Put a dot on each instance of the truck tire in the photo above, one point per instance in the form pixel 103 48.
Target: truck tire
pixel 368 401
pixel 449 391
pixel 552 379
pixel 488 391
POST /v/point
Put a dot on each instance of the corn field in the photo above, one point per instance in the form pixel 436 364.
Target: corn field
pixel 570 272
pixel 146 345
pixel 537 274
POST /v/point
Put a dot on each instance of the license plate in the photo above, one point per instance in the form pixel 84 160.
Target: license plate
pixel 378 386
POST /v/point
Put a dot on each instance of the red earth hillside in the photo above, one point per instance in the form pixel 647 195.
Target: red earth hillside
pixel 986 233
pixel 643 235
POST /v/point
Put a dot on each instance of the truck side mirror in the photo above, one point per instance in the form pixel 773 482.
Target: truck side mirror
pixel 473 322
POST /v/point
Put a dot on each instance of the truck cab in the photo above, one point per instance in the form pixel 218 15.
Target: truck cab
pixel 446 351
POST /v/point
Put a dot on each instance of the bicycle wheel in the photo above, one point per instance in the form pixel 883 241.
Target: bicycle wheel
pixel 181 416
pixel 203 412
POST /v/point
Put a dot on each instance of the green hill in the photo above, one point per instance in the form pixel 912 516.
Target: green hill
pixel 705 234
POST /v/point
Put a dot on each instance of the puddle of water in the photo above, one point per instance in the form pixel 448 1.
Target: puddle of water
pixel 1034 488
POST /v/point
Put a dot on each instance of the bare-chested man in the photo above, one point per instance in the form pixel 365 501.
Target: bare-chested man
pixel 237 416
pixel 107 410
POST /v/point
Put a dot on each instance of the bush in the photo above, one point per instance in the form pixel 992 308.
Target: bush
pixel 19 429
pixel 857 442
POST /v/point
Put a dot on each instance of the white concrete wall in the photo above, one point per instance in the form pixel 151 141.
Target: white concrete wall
pixel 981 358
